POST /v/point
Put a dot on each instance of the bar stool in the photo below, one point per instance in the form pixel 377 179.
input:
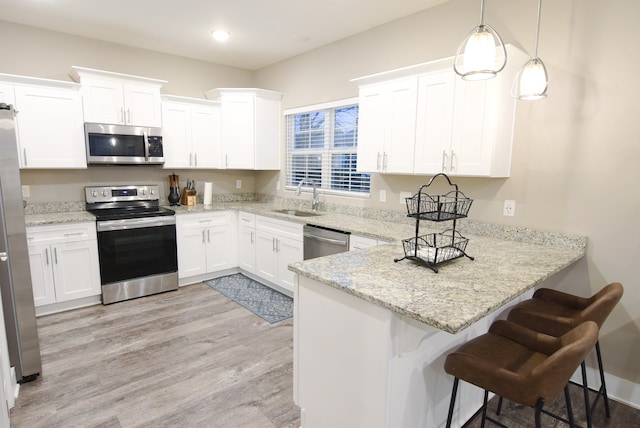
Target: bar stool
pixel 521 365
pixel 554 313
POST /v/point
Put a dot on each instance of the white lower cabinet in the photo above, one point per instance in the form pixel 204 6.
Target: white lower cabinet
pixel 64 262
pixel 206 243
pixel 247 242
pixel 357 242
pixel 278 244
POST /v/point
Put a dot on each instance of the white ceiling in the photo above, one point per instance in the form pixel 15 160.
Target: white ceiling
pixel 263 32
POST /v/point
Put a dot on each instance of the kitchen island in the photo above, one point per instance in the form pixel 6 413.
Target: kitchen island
pixel 371 335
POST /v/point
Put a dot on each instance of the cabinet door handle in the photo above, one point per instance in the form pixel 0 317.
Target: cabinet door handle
pixel 55 255
pixel 46 256
pixel 277 245
pixel 378 162
pixel 208 235
pixel 454 162
pixel 252 237
pixel 71 235
pixel 24 151
pixel 122 115
pixel 226 161
pixel 444 161
pixel 195 159
pixel 190 159
pixel 384 161
pixel 203 239
pixel 128 116
pixel 273 244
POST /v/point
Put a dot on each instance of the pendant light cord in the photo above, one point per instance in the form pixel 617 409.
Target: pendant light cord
pixel 538 29
pixel 481 12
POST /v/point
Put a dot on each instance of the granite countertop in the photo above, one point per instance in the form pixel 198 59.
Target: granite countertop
pixel 58 218
pixel 509 260
pixel 460 294
pixel 376 229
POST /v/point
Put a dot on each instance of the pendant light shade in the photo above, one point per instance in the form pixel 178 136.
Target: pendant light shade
pixel 482 54
pixel 532 81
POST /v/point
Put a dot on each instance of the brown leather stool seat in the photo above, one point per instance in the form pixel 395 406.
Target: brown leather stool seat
pixel 521 365
pixel 554 313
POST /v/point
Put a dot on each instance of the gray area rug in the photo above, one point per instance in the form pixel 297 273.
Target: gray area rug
pixel 267 303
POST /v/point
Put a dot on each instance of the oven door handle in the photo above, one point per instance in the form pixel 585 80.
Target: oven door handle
pixel 134 223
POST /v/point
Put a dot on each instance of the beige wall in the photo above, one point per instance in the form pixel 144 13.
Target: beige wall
pixel 34 52
pixel 575 160
pixel 576 154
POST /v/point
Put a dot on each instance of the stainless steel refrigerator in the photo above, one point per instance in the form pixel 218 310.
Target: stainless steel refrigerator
pixel 15 275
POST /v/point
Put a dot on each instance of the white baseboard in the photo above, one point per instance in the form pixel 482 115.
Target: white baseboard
pixel 618 389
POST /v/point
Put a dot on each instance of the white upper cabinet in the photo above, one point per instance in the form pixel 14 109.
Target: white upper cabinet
pixel 459 127
pixel 6 94
pixel 49 125
pixel 434 121
pixel 387 125
pixel 191 133
pixel 119 98
pixel 251 121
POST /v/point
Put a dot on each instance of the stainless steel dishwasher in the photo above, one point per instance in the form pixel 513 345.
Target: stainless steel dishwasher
pixel 322 241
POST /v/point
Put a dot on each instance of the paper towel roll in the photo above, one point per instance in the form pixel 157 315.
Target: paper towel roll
pixel 208 193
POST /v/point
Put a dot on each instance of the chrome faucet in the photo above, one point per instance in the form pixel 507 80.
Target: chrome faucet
pixel 315 201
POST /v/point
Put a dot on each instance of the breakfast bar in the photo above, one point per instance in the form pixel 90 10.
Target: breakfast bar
pixel 371 334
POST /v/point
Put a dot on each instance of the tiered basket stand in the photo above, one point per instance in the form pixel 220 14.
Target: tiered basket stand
pixel 434 249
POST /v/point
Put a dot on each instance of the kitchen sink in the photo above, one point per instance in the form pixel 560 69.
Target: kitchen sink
pixel 297 213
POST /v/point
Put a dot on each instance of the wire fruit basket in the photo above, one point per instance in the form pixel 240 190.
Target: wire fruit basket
pixel 434 249
pixel 450 206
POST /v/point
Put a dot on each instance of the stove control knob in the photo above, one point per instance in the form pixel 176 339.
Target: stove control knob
pixel 153 192
pixel 94 193
pixel 144 191
pixel 105 193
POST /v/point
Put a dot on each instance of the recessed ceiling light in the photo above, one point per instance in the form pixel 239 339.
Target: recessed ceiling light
pixel 220 35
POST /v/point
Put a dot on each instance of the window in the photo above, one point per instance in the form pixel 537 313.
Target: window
pixel 322 147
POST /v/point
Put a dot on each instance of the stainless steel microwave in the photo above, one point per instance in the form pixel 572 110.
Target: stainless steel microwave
pixel 122 144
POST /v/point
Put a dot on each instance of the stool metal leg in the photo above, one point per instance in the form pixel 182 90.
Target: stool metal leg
pixel 484 407
pixel 585 390
pixel 539 406
pixel 499 409
pixel 567 397
pixel 603 384
pixel 453 401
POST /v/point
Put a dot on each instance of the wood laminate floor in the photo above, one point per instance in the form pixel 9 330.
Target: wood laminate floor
pixel 188 358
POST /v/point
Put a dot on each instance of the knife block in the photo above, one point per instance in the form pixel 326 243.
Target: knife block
pixel 188 197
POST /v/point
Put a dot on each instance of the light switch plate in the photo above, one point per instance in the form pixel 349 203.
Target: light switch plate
pixel 238 184
pixel 383 195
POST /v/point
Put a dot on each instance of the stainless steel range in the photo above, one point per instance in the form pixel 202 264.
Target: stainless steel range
pixel 136 241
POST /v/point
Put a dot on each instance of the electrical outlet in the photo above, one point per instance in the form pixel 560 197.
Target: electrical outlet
pixel 26 191
pixel 238 184
pixel 278 185
pixel 509 209
pixel 383 195
pixel 404 196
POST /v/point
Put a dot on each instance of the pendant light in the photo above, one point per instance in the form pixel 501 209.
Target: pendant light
pixel 532 81
pixel 482 54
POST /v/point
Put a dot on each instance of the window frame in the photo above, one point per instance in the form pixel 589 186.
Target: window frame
pixel 323 152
